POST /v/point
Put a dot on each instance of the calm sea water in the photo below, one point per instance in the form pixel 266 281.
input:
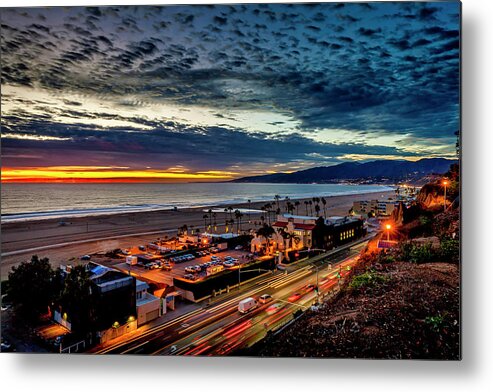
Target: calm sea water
pixel 35 201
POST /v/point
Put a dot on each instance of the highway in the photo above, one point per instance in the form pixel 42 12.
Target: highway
pixel 220 329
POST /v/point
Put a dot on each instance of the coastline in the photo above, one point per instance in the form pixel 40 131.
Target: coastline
pixel 129 226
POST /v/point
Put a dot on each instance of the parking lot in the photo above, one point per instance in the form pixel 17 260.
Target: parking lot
pixel 183 268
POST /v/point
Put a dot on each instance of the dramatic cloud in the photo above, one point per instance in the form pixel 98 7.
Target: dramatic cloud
pixel 236 88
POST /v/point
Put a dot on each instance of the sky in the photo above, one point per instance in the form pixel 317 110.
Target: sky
pixel 212 93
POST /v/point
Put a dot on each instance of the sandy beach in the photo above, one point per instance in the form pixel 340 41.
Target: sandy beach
pixel 103 233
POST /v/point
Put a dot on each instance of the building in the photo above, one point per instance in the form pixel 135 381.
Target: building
pixel 148 306
pixel 298 227
pixel 115 301
pixel 336 231
pixel 376 207
pixel 296 232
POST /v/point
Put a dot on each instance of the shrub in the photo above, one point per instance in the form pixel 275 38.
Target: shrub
pixel 367 280
pixel 449 250
pixel 422 254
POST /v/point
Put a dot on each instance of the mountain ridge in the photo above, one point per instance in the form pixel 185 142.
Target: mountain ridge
pixel 378 171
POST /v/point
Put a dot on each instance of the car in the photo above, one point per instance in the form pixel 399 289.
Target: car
pixel 228 264
pixel 189 277
pixel 167 267
pixel 142 247
pixel 214 250
pixel 150 265
pixel 197 268
pixel 125 252
pixel 264 298
pixel 206 251
pixel 309 288
pixel 189 269
pixel 295 297
pixel 6 346
pixel 238 247
pixel 86 257
pixel 6 307
pixel 274 308
pixel 155 266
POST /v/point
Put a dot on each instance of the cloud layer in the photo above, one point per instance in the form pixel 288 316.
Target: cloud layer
pixel 256 88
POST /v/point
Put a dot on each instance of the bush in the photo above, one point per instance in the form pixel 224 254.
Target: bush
pixel 369 279
pixel 449 250
pixel 422 254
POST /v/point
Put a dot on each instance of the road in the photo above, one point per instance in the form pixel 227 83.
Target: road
pixel 221 330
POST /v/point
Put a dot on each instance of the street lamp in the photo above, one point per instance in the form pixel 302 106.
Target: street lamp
pixel 445 183
pixel 388 227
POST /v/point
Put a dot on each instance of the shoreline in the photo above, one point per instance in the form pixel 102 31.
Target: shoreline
pixel 60 215
pixel 92 230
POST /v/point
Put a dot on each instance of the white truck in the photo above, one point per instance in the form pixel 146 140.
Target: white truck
pixel 131 260
pixel 247 304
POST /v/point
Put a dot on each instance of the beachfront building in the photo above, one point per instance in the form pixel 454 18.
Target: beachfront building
pixel 148 306
pixel 297 229
pixel 115 301
pixel 376 207
pixel 337 230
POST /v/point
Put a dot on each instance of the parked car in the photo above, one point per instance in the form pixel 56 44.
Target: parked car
pixel 189 277
pixel 214 250
pixel 86 257
pixel 142 248
pixel 228 264
pixel 167 267
pixel 6 346
pixel 239 247
pixel 189 269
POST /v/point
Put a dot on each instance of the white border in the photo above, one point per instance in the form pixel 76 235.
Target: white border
pixel 473 373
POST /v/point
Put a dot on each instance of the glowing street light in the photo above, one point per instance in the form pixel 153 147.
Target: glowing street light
pixel 388 227
pixel 445 183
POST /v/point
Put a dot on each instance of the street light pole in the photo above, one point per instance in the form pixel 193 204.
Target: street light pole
pixel 445 195
pixel 388 227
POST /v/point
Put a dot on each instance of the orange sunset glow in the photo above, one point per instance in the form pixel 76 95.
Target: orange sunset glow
pixel 107 174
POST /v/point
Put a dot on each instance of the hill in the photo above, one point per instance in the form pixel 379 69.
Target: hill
pixel 381 171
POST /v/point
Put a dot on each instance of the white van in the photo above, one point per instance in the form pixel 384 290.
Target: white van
pixel 247 305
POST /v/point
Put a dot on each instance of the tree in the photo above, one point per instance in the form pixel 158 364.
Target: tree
pixel 277 198
pixel 204 217
pixel 324 202
pixel 238 216
pixel 317 209
pixel 297 205
pixel 266 231
pixel 32 287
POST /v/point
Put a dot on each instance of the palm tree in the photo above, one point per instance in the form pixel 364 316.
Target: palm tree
pixel 214 215
pixel 317 209
pixel 205 221
pixel 249 210
pixel 238 216
pixel 310 203
pixel 297 204
pixel 306 207
pixel 277 198
pixel 324 202
pixel 266 231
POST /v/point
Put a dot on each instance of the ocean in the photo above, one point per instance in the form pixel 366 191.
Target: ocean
pixel 37 201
